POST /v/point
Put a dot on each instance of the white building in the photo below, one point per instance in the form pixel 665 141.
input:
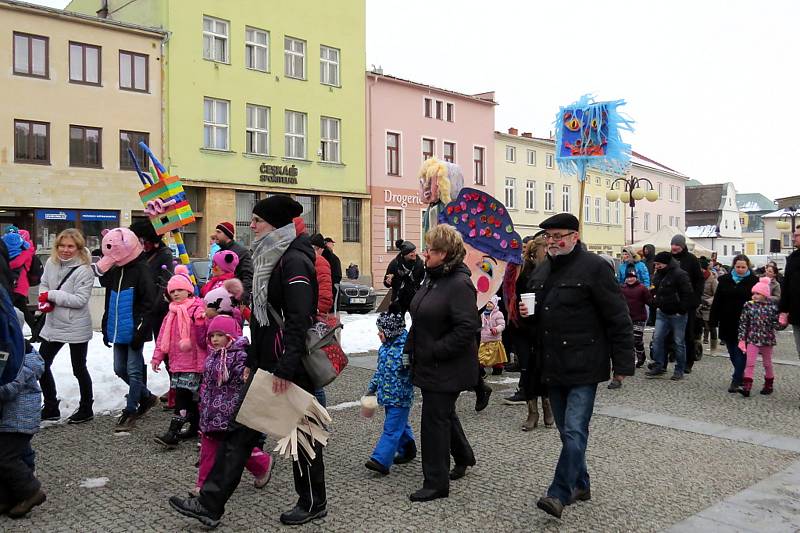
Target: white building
pixel 712 218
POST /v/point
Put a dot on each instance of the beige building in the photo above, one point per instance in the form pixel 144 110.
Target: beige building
pixel 529 183
pixel 77 91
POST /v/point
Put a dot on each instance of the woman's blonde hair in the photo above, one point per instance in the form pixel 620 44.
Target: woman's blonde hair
pixel 80 243
pixel 448 240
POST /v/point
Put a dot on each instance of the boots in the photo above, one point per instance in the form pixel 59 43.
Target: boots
pixel 193 417
pixel 767 385
pixel 83 414
pixel 747 384
pixel 640 359
pixel 50 411
pixel 714 343
pixel 533 416
pixel 548 413
pixel 482 393
pixel 170 439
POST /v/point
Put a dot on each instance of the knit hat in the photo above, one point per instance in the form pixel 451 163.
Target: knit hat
pixel 224 299
pixel 631 274
pixel 278 210
pixel 226 228
pixel 405 247
pixel 762 287
pixel 391 324
pixel 15 244
pixel 663 257
pixel 317 240
pixel 180 281
pixel 678 240
pixel 223 324
pixel 226 260
pixel 144 230
pixel 704 262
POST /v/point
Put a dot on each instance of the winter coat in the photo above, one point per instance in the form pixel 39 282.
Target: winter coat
pixel 495 320
pixel 790 291
pixel 21 399
pixel 22 264
pixel 392 381
pixel 6 276
pixel 641 272
pixel 215 283
pixel 775 290
pixel 649 252
pixel 581 320
pixel 219 403
pixel 336 265
pixel 406 280
pixel 691 266
pixel 758 323
pixel 728 303
pixel 638 298
pixel 292 292
pixel 709 289
pixel 130 301
pixel 244 270
pixel 673 293
pixel 70 321
pixel 192 360
pixel 324 284
pixel 160 261
pixel 443 340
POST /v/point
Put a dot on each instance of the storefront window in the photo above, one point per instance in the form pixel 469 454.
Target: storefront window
pixel 394 221
pixel 310 216
pixel 244 212
pixel 51 222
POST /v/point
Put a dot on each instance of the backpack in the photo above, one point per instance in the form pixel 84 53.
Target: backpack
pixel 12 343
pixel 36 271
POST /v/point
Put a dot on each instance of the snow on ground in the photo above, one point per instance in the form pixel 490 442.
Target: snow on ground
pixel 94 482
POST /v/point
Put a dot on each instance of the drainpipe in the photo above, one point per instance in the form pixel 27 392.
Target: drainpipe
pixel 103 11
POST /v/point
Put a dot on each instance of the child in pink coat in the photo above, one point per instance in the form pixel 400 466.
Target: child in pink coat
pixel 183 338
pixel 757 325
pixel 492 353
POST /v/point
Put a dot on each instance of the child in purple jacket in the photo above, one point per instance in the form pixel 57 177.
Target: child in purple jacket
pixel 757 326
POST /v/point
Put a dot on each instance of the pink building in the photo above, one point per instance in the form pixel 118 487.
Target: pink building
pixel 408 122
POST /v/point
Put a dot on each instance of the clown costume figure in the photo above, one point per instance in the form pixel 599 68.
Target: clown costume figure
pixel 491 352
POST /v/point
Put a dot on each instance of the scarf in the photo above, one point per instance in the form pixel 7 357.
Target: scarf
pixel 177 310
pixel 223 373
pixel 736 277
pixel 267 251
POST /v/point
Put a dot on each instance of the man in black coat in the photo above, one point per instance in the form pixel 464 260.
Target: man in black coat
pixel 404 275
pixel 789 305
pixel 333 259
pixel 244 271
pixel 581 325
pixel 691 265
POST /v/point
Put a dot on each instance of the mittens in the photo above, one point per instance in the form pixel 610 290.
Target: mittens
pixel 742 346
pixel 44 305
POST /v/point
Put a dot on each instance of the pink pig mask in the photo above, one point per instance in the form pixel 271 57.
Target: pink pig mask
pixel 120 247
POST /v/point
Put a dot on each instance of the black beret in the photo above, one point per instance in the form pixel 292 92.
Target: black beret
pixel 561 221
pixel 663 257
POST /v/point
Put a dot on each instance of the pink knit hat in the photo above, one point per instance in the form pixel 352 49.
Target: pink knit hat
pixel 180 281
pixel 762 287
pixel 226 260
pixel 223 324
pixel 224 299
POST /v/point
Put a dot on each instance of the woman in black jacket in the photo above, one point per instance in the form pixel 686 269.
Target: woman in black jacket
pixel 733 291
pixel 443 347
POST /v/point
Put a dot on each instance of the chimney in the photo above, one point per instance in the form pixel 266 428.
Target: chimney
pixel 103 11
pixel 527 134
pixel 513 131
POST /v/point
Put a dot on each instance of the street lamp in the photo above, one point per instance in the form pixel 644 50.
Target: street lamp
pixel 790 213
pixel 632 191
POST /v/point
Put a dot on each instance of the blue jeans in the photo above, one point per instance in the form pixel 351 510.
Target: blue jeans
pixel 572 409
pixel 396 436
pixel 319 394
pixel 129 367
pixel 738 360
pixel 666 325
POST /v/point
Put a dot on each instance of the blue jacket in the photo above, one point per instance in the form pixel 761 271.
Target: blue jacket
pixel 641 273
pixel 392 380
pixel 21 399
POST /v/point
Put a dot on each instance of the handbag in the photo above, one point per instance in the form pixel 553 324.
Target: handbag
pixel 38 322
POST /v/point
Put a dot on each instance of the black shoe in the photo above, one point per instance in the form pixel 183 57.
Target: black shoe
pixel 512 367
pixel 83 414
pixel 125 422
pixel 651 365
pixel 733 388
pixel 550 505
pixel 687 370
pixel 407 456
pixel 482 397
pixel 192 507
pixel 615 384
pixel 640 362
pixel 677 376
pixel 655 372
pixel 51 412
pixel 426 495
pixel 375 466
pixel 496 371
pixel 458 472
pixel 518 398
pixel 147 404
pixel 580 495
pixel 170 439
pixel 24 507
pixel 298 516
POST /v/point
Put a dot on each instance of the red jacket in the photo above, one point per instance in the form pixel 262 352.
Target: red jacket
pixel 23 263
pixel 325 283
pixel 638 298
pixel 215 282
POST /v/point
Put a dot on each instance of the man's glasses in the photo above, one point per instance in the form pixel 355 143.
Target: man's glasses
pixel 557 236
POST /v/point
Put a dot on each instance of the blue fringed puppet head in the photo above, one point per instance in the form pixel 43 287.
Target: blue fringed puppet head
pixel 588 135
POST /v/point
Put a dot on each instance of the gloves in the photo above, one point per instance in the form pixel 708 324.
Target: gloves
pixel 493 331
pixel 44 305
pixel 742 346
pixel 783 319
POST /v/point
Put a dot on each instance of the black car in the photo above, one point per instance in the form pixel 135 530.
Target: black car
pixel 201 268
pixel 355 297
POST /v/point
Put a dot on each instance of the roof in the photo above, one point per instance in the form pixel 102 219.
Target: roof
pixel 701 232
pixel 702 218
pixel 645 161
pixel 693 183
pixel 704 198
pixel 755 201
pixel 484 98
pixel 777 214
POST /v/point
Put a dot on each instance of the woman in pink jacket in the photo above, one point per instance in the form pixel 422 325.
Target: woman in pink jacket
pixel 492 353
pixel 183 339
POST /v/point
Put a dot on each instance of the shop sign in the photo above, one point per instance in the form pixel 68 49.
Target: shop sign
pixel 403 200
pixel 278 174
pixel 55 214
pixel 90 216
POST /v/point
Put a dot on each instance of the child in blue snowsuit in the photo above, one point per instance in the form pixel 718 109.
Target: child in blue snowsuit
pixel 392 385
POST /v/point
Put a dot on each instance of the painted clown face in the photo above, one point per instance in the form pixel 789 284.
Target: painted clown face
pixel 487 273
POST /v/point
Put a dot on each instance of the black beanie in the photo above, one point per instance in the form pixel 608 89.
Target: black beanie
pixel 144 230
pixel 405 247
pixel 278 210
pixel 318 240
pixel 663 258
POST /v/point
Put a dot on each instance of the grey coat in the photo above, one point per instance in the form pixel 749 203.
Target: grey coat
pixel 70 321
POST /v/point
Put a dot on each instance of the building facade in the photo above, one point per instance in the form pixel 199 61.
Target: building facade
pixel 712 218
pixel 261 101
pixel 407 123
pixel 752 207
pixel 63 156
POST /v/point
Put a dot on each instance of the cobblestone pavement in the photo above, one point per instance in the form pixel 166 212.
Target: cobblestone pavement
pixel 645 477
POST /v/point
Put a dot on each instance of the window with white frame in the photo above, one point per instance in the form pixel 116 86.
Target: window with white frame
pixel 428 148
pixel 257 136
pixel 646 221
pixel 608 212
pixel 511 154
pixel 215 123
pixel 617 213
pixel 392 153
pixel 549 197
pixel 428 107
pixel 478 165
pixel 597 180
pixel 530 195
pixel 672 220
pixel 587 209
pixel 659 221
pixel 450 112
pixel 548 160
pixel 660 191
pixel 678 222
pixel 256 49
pixel 532 158
pixel 566 198
pixel 597 210
pixel 294 54
pixel 329 65
pixel 295 134
pixel 329 139
pixel 439 109
pixel 450 152
pixel 511 193
pixel 215 39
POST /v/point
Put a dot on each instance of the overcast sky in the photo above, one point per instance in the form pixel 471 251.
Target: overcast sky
pixel 711 84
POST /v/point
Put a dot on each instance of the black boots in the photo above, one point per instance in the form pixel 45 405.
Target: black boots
pixel 51 412
pixel 768 383
pixel 171 439
pixel 482 393
pixel 549 421
pixel 747 384
pixel 83 414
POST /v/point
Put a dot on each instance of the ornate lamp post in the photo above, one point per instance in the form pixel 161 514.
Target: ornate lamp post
pixel 632 191
pixel 791 214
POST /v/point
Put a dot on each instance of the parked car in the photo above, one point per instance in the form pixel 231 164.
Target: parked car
pixel 355 297
pixel 202 271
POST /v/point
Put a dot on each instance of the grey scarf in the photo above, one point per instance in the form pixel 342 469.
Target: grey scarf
pixel 267 251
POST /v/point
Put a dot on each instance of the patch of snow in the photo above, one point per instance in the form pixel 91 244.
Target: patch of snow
pixel 502 381
pixel 94 482
pixel 343 406
pixel 699 232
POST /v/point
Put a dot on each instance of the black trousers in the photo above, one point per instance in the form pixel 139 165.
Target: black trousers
pixel 17 481
pixel 442 436
pixel 232 455
pixel 77 351
pixel 20 301
pixel 689 336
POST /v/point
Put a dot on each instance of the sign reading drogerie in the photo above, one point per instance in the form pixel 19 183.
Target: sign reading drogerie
pixel 278 174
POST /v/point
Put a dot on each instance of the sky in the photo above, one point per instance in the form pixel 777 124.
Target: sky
pixel 705 81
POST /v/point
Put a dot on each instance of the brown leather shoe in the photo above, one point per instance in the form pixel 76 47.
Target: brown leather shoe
pixel 24 507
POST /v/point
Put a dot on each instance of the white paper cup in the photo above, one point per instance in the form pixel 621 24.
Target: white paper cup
pixel 529 299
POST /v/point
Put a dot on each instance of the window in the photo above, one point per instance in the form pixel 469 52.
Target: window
pixel 532 158
pixel 646 221
pixel 725 250
pixel 394 225
pixel 511 193
pixel 597 180
pixel 393 154
pixel 678 222
pixel 85 147
pixel 450 152
pixel 245 201
pixel 256 49
pixel 439 105
pixel 215 39
pixel 329 65
pixel 608 184
pixel 31 142
pixel 310 213
pixel 597 210
pixel 660 192
pixel 294 55
pixel 566 199
pixel 329 139
pixel 478 166
pixel 587 209
pixel 31 55
pixel 257 132
pixel 608 212
pixel 786 238
pixel 450 112
pixel 351 219
pixel 671 220
pixel 295 135
pixel 616 213
pixel 549 197
pixel 548 160
pixel 84 63
pixel 530 195
pixel 428 107
pixel 215 124
pixel 133 71
pixel 511 154
pixel 659 221
pixel 130 139
pixel 428 147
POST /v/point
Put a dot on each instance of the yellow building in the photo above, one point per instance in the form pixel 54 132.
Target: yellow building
pixel 76 92
pixel 528 181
